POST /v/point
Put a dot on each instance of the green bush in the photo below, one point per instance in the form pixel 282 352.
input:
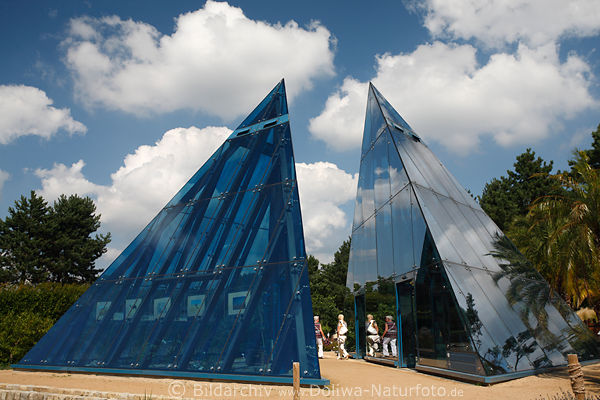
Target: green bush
pixel 19 332
pixel 28 312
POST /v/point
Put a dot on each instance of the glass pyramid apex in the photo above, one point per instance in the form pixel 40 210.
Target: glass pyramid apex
pixel 391 115
pixel 216 286
pixel 274 105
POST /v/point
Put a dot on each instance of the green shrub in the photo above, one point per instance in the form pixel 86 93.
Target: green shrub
pixel 28 312
pixel 19 332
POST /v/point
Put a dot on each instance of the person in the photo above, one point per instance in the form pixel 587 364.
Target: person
pixel 372 335
pixel 390 336
pixel 319 335
pixel 342 330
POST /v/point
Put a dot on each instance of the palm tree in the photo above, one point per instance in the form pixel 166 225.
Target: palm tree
pixel 564 233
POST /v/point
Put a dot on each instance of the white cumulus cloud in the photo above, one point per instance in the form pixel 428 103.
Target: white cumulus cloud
pixel 151 175
pixel 446 96
pixel 497 22
pixel 323 188
pixel 217 60
pixel 3 178
pixel 26 110
pixel 341 122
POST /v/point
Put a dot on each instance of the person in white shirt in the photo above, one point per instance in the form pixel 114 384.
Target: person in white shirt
pixel 372 335
pixel 342 330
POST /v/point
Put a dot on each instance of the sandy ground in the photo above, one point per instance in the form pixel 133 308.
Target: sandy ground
pixel 349 379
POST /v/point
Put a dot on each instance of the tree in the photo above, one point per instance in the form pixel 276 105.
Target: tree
pixel 40 243
pixel 571 222
pixel 510 196
pixel 329 293
pixel 73 251
pixel 594 153
pixel 24 241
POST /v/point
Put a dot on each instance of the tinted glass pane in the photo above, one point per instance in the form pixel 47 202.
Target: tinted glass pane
pixel 407 323
pixel 366 184
pixel 381 313
pixel 374 124
pixel 360 316
pixel 408 160
pixel 274 105
pixel 385 242
pixel 369 250
pixel 398 178
pixel 442 340
pixel 402 233
pixel 381 183
pixel 358 258
pixel 389 111
pixel 444 232
pixel 358 217
pixel 502 340
pixel 420 232
pixel 470 244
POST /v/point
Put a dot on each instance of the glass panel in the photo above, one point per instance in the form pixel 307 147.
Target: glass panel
pixel 402 233
pixel 529 295
pixel 419 234
pixel 413 173
pixel 407 316
pixel 385 243
pixel 358 217
pixel 380 327
pixel 369 250
pixel 374 124
pixel 273 105
pixel 441 339
pixel 361 339
pixel 398 178
pixel 467 242
pixel 381 171
pixel 424 163
pixel 357 259
pixel 389 111
pixel 366 183
pixel 502 340
pixel 442 230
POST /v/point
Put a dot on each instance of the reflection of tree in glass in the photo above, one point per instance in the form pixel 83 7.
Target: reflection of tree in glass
pixel 495 357
pixel 475 324
pixel 518 347
pixel 381 299
pixel 526 284
pixel 530 294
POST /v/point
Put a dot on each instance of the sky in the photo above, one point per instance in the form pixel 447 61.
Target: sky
pixel 123 101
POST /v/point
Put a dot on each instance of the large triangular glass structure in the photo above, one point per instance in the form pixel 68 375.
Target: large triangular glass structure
pixel 216 286
pixel 422 253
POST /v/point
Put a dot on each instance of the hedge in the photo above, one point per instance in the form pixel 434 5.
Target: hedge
pixel 28 312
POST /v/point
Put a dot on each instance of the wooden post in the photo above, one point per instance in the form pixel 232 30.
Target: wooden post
pixel 576 375
pixel 296 374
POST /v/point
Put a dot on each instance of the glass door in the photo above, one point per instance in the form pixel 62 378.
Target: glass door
pixel 407 338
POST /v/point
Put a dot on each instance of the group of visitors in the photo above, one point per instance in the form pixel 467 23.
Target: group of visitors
pixel 341 331
pixel 387 339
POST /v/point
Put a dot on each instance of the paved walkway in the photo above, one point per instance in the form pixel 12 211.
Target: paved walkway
pixel 352 379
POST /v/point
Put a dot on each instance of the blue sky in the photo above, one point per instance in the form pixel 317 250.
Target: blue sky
pixel 124 101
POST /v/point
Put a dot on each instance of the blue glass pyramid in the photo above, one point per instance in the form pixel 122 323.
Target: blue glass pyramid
pixel 422 242
pixel 216 286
